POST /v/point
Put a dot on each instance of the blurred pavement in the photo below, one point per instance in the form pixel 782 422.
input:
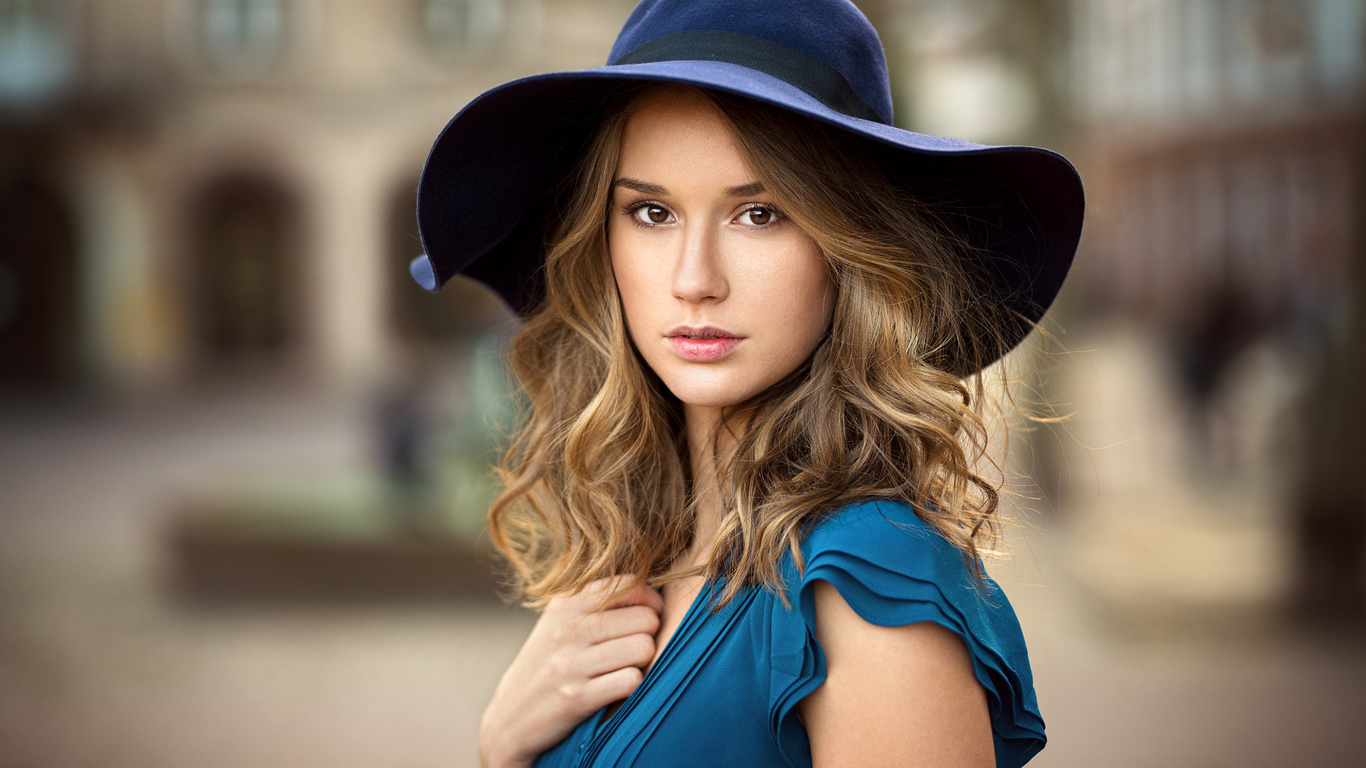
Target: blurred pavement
pixel 99 666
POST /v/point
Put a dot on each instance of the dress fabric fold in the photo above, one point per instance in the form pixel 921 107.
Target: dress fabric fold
pixel 725 690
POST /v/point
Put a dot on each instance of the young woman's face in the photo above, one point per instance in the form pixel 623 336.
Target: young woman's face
pixel 723 295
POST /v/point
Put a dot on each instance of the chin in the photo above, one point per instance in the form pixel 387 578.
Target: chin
pixel 719 402
pixel 710 394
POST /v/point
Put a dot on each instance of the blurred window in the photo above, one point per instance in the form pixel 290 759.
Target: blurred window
pixel 461 27
pixel 1279 35
pixel 244 37
pixel 1338 30
pixel 36 53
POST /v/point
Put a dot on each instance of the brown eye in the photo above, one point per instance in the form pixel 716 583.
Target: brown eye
pixel 649 215
pixel 758 217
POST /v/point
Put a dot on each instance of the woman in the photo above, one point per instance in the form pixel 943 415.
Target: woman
pixel 743 492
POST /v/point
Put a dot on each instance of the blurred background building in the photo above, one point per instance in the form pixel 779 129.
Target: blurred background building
pixel 1220 134
pixel 193 185
pixel 206 213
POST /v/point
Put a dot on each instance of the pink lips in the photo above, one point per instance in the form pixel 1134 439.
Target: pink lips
pixel 705 344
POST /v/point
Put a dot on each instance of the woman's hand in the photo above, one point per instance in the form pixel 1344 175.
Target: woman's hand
pixel 579 658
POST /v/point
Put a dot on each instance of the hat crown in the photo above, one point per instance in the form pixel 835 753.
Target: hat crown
pixel 833 32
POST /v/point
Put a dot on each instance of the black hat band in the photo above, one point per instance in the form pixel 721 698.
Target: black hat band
pixel 820 80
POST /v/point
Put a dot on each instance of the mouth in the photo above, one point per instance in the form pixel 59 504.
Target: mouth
pixel 702 344
pixel 700 333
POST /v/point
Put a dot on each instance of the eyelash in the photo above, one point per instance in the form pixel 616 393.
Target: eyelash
pixel 631 210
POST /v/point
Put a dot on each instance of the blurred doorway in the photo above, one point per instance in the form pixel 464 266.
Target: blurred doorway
pixel 38 283
pixel 245 236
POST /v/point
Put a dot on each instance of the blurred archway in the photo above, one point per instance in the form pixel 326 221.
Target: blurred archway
pixel 38 283
pixel 245 239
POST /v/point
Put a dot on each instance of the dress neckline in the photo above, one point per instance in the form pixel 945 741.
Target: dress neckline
pixel 605 724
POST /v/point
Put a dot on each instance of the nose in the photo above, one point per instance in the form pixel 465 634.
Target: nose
pixel 699 276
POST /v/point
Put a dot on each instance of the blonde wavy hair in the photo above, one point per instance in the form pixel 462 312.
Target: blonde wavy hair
pixel 597 475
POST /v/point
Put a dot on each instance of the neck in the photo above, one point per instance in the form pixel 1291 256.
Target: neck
pixel 704 442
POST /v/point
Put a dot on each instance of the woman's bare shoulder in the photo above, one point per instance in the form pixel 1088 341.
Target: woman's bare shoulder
pixel 901 695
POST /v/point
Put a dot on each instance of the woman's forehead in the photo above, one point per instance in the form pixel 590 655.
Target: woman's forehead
pixel 680 133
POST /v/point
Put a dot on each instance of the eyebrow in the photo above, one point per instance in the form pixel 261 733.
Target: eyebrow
pixel 642 187
pixel 646 188
pixel 745 190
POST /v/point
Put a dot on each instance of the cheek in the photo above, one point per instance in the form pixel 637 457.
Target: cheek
pixel 632 281
pixel 810 297
pixel 621 271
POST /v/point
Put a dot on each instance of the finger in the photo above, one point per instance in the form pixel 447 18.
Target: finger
pixel 600 593
pixel 584 697
pixel 593 597
pixel 608 585
pixel 613 686
pixel 620 652
pixel 640 594
pixel 619 622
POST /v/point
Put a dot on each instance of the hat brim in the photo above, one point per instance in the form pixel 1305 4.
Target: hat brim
pixel 489 180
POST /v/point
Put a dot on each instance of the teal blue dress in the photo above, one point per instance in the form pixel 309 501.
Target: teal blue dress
pixel 725 690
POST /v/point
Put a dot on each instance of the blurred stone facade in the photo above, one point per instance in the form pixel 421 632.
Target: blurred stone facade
pixel 210 181
pixel 1217 139
pixel 194 186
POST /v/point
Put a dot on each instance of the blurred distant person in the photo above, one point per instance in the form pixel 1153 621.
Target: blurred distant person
pixel 1224 326
pixel 408 420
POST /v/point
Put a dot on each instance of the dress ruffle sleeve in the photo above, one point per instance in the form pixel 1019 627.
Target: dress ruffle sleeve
pixel 894 569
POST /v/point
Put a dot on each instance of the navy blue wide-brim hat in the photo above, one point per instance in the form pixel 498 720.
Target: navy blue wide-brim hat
pixel 489 183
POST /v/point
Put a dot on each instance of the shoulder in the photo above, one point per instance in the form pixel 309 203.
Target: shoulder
pixel 923 680
pixel 893 569
pixel 878 554
pixel 870 523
